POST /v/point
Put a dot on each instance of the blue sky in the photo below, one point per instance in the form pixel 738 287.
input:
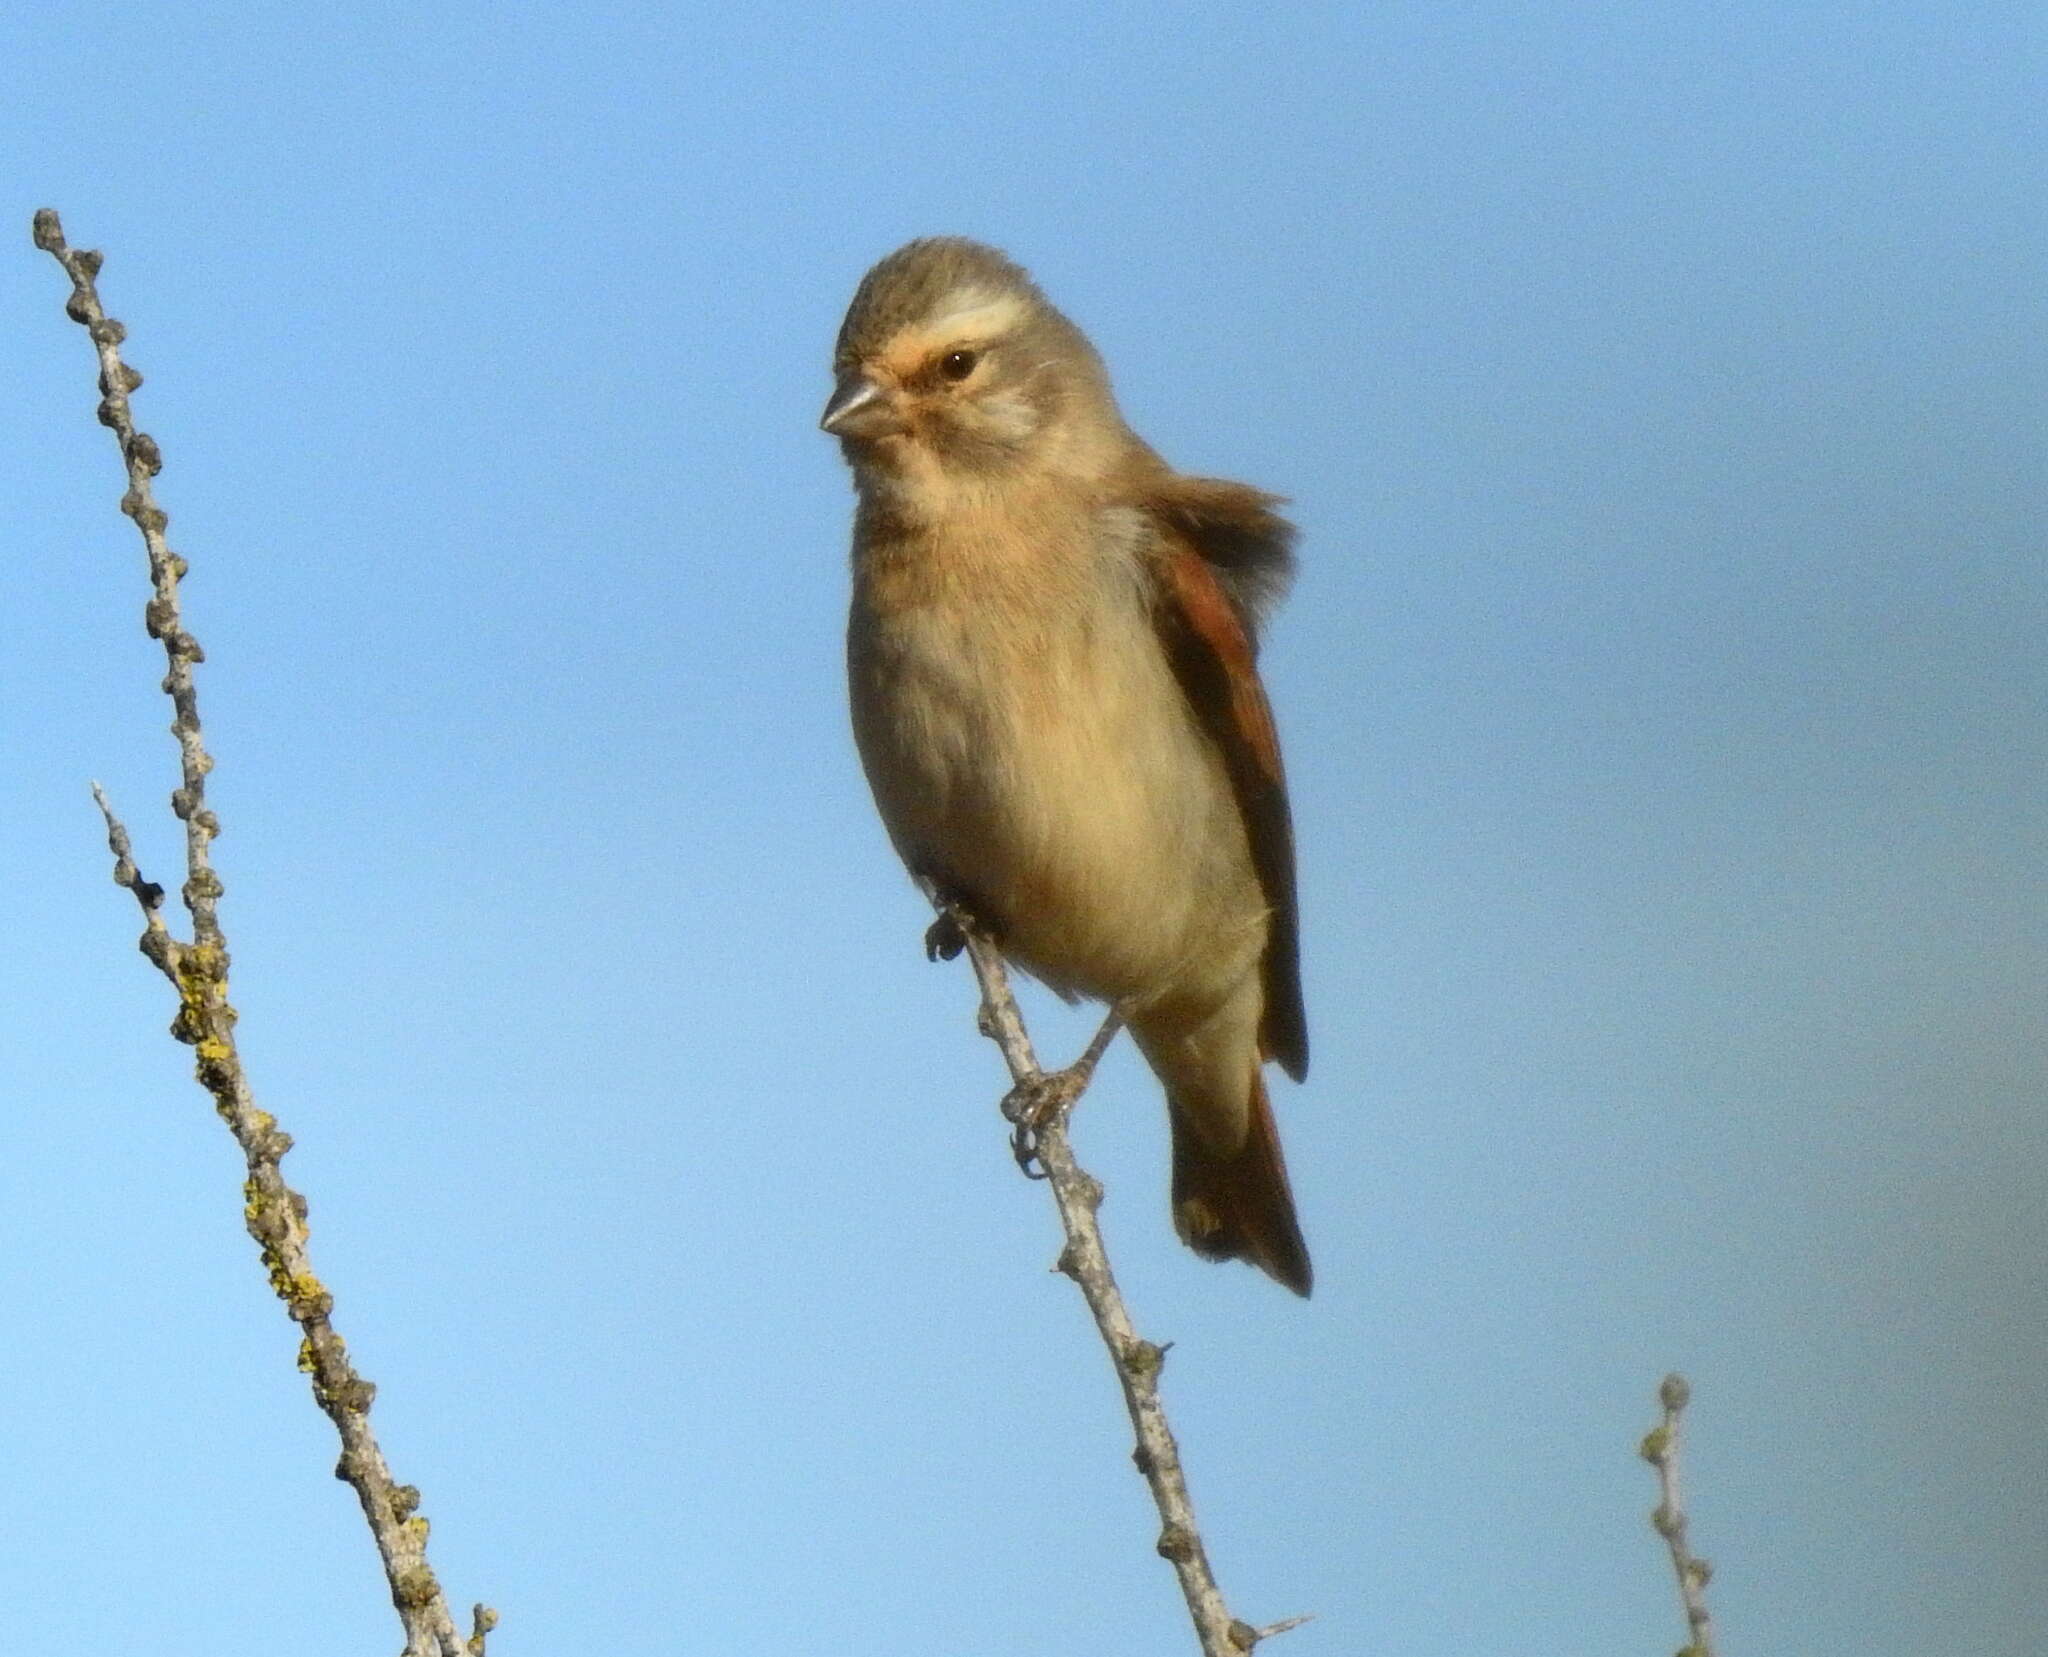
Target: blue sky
pixel 1661 394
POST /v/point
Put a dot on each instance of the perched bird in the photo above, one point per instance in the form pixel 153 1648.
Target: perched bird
pixel 1051 660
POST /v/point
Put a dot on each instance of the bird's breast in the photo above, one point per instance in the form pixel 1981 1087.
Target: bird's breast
pixel 1028 744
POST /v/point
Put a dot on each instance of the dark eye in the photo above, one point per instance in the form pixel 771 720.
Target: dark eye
pixel 957 365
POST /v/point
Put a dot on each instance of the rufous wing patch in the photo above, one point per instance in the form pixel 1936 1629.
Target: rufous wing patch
pixel 1209 641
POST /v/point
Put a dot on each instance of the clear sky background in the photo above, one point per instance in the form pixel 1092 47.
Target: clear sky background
pixel 1661 392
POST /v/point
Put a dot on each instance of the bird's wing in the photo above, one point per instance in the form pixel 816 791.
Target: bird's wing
pixel 1206 629
pixel 1236 530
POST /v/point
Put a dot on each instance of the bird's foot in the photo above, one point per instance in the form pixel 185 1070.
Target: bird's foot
pixel 1048 1098
pixel 945 938
pixel 958 918
pixel 1040 1102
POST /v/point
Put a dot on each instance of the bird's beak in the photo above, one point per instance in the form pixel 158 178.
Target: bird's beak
pixel 860 408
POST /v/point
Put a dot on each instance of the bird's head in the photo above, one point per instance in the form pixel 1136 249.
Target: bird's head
pixel 951 358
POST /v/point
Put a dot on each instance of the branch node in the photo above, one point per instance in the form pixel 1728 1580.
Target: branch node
pixel 204 886
pixel 414 1588
pixel 1144 1359
pixel 306 1300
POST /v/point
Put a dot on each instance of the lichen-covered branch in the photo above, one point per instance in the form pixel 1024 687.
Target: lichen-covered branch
pixel 1660 1449
pixel 1037 1106
pixel 198 971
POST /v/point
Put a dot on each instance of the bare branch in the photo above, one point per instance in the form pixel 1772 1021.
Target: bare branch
pixel 1037 1106
pixel 198 970
pixel 1660 1449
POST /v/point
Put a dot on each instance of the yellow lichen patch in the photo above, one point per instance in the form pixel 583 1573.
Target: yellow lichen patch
pixel 304 1295
pixel 415 1587
pixel 202 973
pixel 212 1050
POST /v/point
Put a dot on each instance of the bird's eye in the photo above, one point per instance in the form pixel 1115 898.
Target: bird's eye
pixel 957 365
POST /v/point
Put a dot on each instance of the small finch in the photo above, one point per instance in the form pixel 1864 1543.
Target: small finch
pixel 1051 661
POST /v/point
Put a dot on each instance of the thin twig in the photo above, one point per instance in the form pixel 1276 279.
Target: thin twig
pixel 1038 1105
pixel 1660 1450
pixel 198 970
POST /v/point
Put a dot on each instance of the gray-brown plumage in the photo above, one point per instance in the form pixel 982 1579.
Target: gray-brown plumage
pixel 1051 661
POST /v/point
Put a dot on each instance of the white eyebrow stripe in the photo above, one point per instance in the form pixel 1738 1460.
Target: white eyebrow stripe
pixel 980 313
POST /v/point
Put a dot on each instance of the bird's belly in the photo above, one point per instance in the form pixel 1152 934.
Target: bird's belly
pixel 1068 792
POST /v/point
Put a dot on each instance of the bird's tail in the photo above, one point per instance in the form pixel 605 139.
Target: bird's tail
pixel 1237 1205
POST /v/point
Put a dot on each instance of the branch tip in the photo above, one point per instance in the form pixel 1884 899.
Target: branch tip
pixel 1660 1448
pixel 276 1214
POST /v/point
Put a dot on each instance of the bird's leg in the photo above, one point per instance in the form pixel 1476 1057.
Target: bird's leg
pixel 1039 1102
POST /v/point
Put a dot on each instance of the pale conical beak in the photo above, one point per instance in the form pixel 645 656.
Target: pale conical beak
pixel 860 408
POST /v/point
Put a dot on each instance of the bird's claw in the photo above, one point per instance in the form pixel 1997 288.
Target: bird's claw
pixel 1037 1103
pixel 945 938
pixel 960 918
